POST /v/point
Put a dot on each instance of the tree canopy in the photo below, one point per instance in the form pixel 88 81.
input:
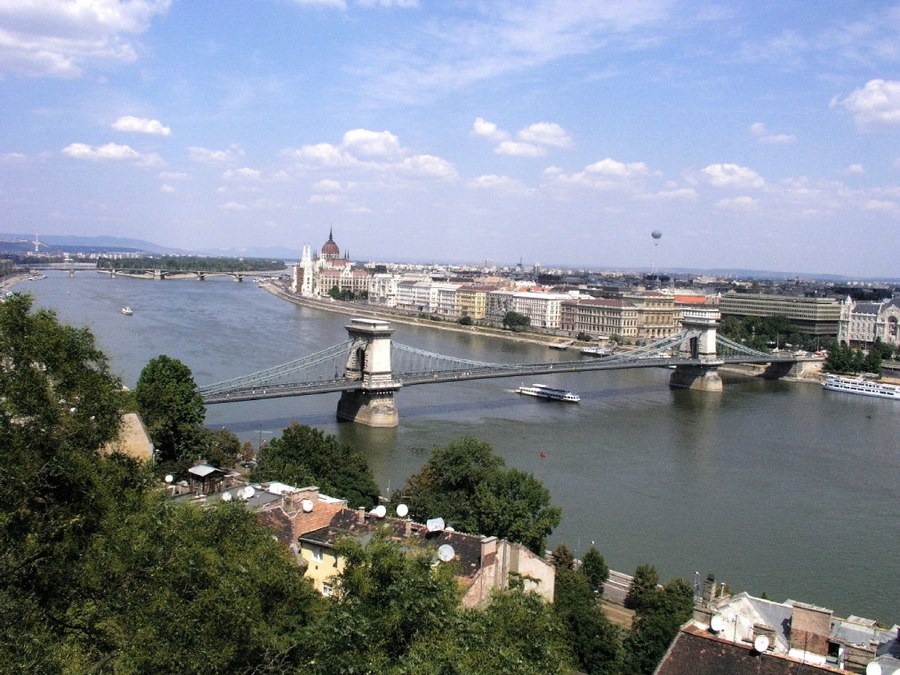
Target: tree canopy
pixel 467 485
pixel 516 322
pixel 171 406
pixel 307 456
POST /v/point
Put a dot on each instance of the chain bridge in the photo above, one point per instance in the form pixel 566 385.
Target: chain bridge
pixel 369 368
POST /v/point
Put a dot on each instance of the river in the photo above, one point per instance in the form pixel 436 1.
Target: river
pixel 775 487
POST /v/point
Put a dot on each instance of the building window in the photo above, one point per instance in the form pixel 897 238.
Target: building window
pixel 317 554
pixel 327 590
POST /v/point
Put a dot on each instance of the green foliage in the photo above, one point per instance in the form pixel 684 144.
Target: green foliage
pixel 306 456
pixel 766 333
pixel 172 408
pixel 848 360
pixel 220 447
pixel 467 484
pixel 583 337
pixel 594 567
pixel 656 624
pixel 595 641
pixel 385 599
pixel 516 322
pixel 465 320
pixel 192 263
pixel 643 587
pixel 883 350
pixel 517 633
pixel 563 558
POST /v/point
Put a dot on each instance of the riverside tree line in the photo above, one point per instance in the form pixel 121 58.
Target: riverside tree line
pixel 100 572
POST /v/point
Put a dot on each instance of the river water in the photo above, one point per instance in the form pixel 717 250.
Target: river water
pixel 775 487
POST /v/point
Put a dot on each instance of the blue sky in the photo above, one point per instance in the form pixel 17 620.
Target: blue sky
pixel 758 134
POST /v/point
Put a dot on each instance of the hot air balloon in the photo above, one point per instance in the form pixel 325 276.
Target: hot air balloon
pixel 656 234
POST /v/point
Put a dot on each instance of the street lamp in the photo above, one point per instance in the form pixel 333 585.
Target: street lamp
pixel 260 433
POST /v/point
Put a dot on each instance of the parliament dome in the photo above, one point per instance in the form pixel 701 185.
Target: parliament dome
pixel 330 250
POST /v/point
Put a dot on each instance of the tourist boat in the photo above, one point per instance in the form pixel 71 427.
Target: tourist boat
pixel 549 393
pixel 857 385
pixel 598 352
pixel 127 311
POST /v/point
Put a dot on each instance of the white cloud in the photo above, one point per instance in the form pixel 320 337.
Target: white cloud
pixel 612 167
pixel 880 205
pixel 742 202
pixel 546 133
pixel 517 149
pixel 875 106
pixel 165 187
pixel 403 4
pixel 689 194
pixel 234 206
pixel 326 199
pixel 763 135
pixel 327 185
pixel 362 142
pixel 500 184
pixel 245 173
pixel 337 4
pixel 372 151
pixel 855 169
pixel 732 175
pixel 111 152
pixel 47 38
pixel 206 156
pixel 173 175
pixel 141 125
pixel 481 127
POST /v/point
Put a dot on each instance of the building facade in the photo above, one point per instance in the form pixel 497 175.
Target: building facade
pixel 317 276
pixel 862 323
pixel 813 316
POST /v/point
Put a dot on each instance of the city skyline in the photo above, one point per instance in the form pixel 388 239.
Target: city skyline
pixel 752 136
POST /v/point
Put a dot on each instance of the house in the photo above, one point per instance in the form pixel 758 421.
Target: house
pixel 484 563
pixel 744 634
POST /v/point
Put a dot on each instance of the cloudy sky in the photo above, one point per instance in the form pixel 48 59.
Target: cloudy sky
pixel 762 134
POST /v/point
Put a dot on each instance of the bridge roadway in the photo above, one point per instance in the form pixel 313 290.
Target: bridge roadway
pixel 253 393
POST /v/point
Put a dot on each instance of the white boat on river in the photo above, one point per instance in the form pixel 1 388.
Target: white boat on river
pixel 549 393
pixel 861 387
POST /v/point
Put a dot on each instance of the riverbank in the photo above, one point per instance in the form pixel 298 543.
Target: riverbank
pixel 7 283
pixel 368 311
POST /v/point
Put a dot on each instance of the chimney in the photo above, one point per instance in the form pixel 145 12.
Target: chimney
pixel 361 516
pixel 810 628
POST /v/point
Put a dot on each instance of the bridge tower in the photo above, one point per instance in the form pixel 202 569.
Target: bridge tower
pixel 372 403
pixel 703 321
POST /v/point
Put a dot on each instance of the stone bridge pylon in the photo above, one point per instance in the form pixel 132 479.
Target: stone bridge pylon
pixel 369 362
pixel 705 376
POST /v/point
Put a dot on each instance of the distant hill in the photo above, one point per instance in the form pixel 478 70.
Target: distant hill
pixel 21 243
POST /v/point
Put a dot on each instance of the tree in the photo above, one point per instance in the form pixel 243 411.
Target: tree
pixel 465 320
pixel 385 599
pixel 656 624
pixel 307 456
pixel 172 408
pixel 595 641
pixel 220 447
pixel 595 569
pixel 468 485
pixel 563 558
pixel 516 633
pixel 516 322
pixel 643 586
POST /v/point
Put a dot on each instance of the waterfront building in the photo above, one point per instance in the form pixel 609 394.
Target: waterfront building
pixel 543 309
pixel 813 316
pixel 471 301
pixel 862 323
pixel 601 318
pixel 744 634
pixel 316 276
pixel 657 316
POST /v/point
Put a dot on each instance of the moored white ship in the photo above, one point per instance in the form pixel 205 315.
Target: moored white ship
pixel 549 393
pixel 861 387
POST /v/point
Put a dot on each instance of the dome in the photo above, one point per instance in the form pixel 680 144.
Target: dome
pixel 330 250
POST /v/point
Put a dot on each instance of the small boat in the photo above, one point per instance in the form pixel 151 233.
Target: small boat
pixel 549 393
pixel 127 311
pixel 562 345
pixel 861 387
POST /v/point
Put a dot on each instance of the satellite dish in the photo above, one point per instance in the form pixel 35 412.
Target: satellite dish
pixel 446 553
pixel 873 668
pixel 449 528
pixel 247 492
pixel 434 524
pixel 169 478
pixel 227 496
pixel 717 623
pixel 379 511
pixel 761 643
pixel 306 505
pixel 402 510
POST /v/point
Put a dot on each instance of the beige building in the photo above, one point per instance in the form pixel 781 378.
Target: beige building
pixel 657 316
pixel 862 323
pixel 482 563
pixel 471 301
pixel 543 309
pixel 600 318
pixel 813 316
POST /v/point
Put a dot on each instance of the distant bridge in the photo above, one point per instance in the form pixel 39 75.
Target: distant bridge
pixel 368 368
